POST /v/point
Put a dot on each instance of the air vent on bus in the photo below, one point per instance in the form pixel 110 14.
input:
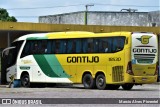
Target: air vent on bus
pixel 117 73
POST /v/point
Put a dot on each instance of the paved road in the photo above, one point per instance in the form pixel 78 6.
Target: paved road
pixel 77 91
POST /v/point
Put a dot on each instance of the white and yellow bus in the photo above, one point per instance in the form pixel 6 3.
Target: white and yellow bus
pixel 98 60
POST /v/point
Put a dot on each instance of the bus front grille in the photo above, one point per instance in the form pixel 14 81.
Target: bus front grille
pixel 117 73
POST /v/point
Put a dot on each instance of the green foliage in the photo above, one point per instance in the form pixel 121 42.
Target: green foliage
pixel 4 16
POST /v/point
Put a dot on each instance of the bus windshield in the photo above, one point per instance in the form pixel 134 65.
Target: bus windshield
pixel 10 54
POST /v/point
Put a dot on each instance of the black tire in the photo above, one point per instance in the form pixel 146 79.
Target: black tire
pixel 25 81
pixel 88 81
pixel 101 82
pixel 127 86
pixel 158 78
pixel 112 87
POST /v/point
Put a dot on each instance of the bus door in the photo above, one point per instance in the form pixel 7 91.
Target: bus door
pixel 8 61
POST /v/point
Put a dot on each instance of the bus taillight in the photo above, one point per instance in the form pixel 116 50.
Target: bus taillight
pixel 129 68
pixel 156 71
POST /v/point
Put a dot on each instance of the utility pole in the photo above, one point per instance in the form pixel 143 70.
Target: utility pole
pixel 85 16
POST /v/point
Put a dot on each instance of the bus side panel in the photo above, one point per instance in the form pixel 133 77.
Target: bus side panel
pixel 109 74
pixel 127 77
pixel 53 69
pixel 72 73
pixel 116 65
pixel 30 65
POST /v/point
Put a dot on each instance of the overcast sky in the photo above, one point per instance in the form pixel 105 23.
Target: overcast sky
pixel 29 10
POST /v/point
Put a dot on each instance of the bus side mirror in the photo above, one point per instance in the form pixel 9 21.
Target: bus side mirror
pixel 5 52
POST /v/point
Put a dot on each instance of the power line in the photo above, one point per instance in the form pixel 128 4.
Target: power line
pixel 71 6
pixel 44 7
pixel 79 5
pixel 125 5
pixel 26 16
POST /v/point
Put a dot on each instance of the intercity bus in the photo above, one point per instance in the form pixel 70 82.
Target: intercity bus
pixel 97 60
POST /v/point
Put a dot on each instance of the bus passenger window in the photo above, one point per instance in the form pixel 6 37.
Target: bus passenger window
pixel 53 47
pixel 95 45
pixel 37 47
pixel 57 47
pixel 74 47
pixel 105 45
pixel 69 46
pixel 108 45
pixel 101 47
pixel 78 45
pixel 63 45
pixel 89 48
pixel 118 44
pixel 90 45
pixel 49 44
pixel 43 45
pixel 106 48
pixel 84 45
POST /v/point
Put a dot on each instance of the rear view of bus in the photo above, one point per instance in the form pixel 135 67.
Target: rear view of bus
pixel 144 56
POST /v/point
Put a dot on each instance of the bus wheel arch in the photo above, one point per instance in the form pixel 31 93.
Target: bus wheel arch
pixel 88 81
pixel 25 79
pixel 100 80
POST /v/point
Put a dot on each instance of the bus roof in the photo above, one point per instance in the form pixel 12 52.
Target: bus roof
pixel 73 34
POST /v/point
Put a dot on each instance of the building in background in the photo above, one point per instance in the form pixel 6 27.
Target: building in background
pixel 105 18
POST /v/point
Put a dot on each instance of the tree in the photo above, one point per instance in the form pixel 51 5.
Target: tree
pixel 4 16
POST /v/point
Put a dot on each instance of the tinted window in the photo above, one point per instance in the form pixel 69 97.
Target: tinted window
pixel 68 46
pixel 14 52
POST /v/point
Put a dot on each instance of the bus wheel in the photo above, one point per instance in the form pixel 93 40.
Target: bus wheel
pixel 112 87
pixel 88 81
pixel 127 86
pixel 101 82
pixel 25 81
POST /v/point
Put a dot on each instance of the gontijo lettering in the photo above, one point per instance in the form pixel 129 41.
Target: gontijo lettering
pixel 82 59
pixel 142 50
